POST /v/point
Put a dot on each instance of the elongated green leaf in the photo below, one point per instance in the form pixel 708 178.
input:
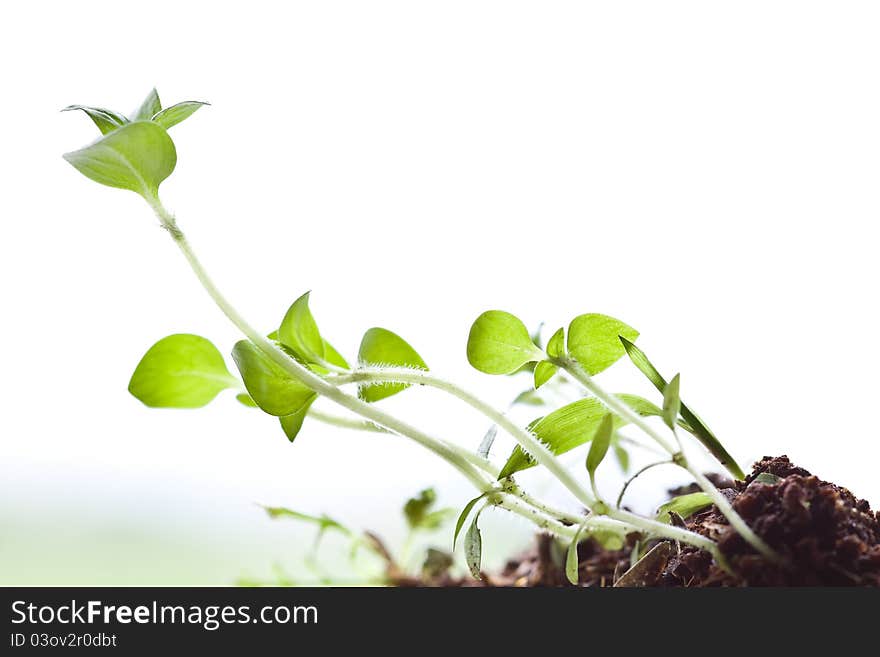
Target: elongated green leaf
pixel 176 113
pixel 671 402
pixel 573 425
pixel 622 456
pixel 544 371
pixel 499 343
pixel 106 120
pixel 149 108
pixel 322 522
pixel 180 371
pixel 600 444
pixel 684 505
pixel 696 426
pixel 463 516
pixel 269 386
pixel 292 424
pixel 382 347
pixel 299 331
pixel 556 344
pixel 571 558
pixel 138 157
pixel 473 548
pixel 593 341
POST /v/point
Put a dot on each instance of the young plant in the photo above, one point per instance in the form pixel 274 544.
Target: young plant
pixel 285 371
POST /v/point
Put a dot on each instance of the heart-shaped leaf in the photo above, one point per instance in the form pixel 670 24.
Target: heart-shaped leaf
pixel 299 331
pixel 544 371
pixel 138 157
pixel 593 341
pixel 381 347
pixel 180 371
pixel 499 343
pixel 268 385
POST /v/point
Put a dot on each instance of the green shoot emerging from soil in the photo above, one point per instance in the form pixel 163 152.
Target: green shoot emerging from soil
pixel 284 371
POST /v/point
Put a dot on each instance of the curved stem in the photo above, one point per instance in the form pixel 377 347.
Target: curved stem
pixel 633 478
pixel 527 440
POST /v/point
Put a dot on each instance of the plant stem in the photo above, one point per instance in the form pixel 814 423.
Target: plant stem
pixel 527 440
pixel 304 375
pixel 633 478
pixel 678 456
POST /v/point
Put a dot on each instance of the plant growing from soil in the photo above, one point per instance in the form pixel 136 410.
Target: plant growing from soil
pixel 284 371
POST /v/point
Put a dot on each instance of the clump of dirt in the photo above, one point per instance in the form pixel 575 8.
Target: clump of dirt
pixel 826 536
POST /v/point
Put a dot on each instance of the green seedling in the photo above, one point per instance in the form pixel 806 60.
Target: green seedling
pixel 290 370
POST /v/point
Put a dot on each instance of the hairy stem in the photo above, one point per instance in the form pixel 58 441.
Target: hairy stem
pixel 527 440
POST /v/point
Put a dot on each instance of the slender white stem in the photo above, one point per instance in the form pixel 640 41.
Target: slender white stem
pixel 527 440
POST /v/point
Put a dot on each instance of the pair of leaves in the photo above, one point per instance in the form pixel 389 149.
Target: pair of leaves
pixel 499 343
pixel 697 427
pixel 134 154
pixel 473 539
pixel 573 425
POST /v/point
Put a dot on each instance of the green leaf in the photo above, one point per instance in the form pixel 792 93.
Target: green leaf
pixel 246 400
pixel 323 522
pixel 416 508
pixel 473 548
pixel 556 344
pixel 180 371
pixel 334 357
pixel 544 371
pixel 463 516
pixel 499 343
pixel 149 108
pixel 695 425
pixel 600 444
pixel 768 478
pixel 106 120
pixel 593 341
pixel 269 386
pixel 573 425
pixel 382 347
pixel 299 331
pixel 138 157
pixel 684 505
pixel 571 558
pixel 622 456
pixel 176 113
pixel 671 402
pixel 291 424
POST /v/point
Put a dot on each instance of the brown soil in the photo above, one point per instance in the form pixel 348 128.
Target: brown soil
pixel 826 536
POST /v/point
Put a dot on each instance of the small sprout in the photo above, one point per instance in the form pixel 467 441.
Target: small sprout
pixel 149 108
pixel 671 402
pixel 499 343
pixel 544 371
pixel 593 341
pixel 684 505
pixel 768 478
pixel 181 371
pixel 382 347
pixel 268 385
pixel 437 563
pixel 473 548
pixel 556 344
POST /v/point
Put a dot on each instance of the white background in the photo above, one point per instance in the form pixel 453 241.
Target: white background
pixel 705 171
